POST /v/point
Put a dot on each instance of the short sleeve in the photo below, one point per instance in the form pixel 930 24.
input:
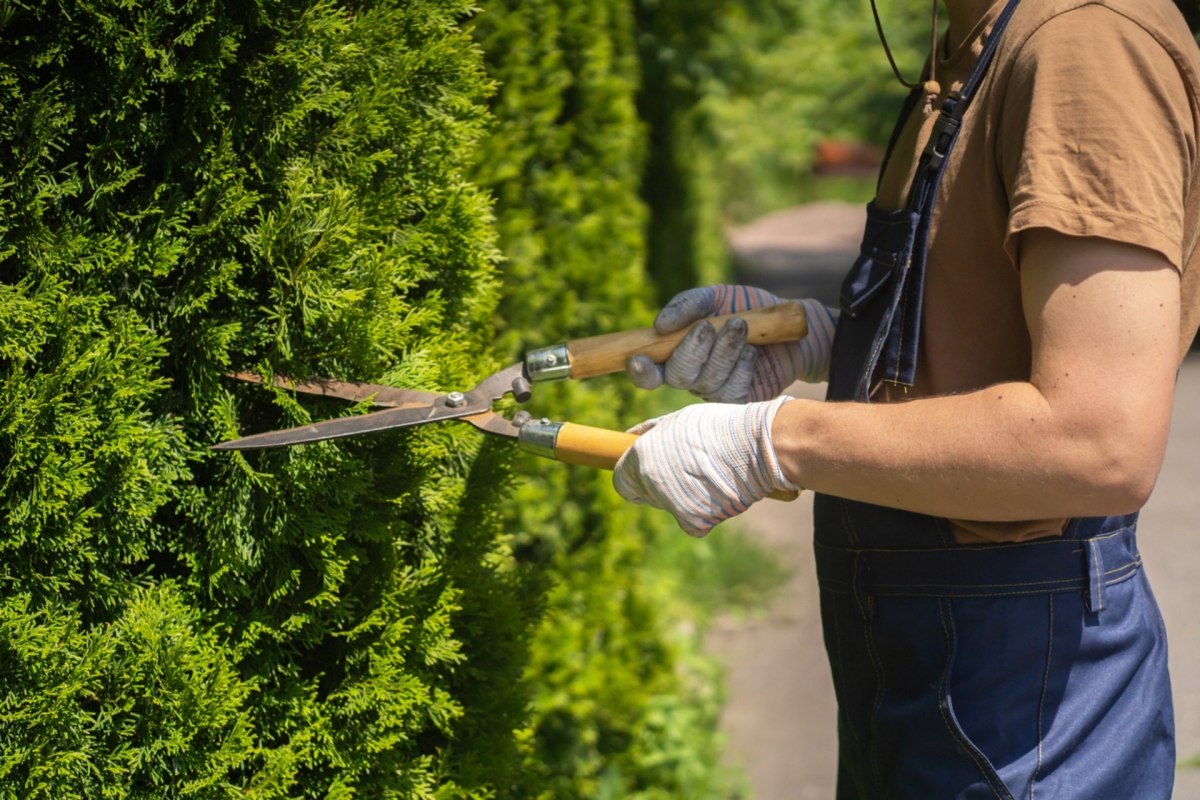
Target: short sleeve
pixel 1097 135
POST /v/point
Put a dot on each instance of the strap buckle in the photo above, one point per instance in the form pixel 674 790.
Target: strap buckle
pixel 945 130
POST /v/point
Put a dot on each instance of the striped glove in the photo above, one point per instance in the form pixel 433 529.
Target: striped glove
pixel 704 464
pixel 721 367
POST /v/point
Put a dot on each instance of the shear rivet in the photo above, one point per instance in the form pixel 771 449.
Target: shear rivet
pixel 551 359
pixel 456 400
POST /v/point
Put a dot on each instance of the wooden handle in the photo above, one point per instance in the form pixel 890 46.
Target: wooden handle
pixel 601 448
pixel 586 446
pixel 607 353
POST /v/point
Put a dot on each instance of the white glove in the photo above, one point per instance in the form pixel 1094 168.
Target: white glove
pixel 704 464
pixel 721 367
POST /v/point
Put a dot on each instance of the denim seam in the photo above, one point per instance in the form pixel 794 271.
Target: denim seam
pixel 1037 772
pixel 1096 590
pixel 880 683
pixel 1014 585
pixel 849 523
pixel 1121 572
pixel 1030 593
pixel 876 350
pixel 969 749
pixel 903 312
pixel 1067 585
pixel 1124 576
pixel 1137 562
pixel 984 547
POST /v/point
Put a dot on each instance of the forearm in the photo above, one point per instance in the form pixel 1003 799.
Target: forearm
pixel 1084 436
pixel 1002 453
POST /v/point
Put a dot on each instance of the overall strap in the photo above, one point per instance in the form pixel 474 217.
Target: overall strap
pixel 899 364
pixel 945 131
pixel 910 104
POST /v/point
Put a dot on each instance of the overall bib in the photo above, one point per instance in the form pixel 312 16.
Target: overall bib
pixel 988 672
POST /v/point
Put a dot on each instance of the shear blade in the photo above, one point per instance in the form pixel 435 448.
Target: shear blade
pixel 351 426
pixel 403 408
pixel 352 391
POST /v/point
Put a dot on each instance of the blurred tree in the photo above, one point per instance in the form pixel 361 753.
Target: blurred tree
pixel 736 95
pixel 821 76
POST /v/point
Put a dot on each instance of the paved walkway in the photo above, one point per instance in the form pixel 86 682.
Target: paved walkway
pixel 780 713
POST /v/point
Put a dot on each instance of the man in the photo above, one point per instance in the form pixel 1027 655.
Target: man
pixel 1003 370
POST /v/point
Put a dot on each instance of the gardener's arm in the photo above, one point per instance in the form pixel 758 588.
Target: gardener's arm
pixel 1084 436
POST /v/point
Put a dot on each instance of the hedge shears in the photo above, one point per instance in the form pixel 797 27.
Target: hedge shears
pixel 567 442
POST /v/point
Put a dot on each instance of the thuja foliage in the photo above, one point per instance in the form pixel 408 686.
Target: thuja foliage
pixel 623 706
pixel 193 187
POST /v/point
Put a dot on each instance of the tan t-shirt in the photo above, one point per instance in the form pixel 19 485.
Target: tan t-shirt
pixel 1087 123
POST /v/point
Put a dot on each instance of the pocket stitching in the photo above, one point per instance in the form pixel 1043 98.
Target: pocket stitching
pixel 1037 772
pixel 986 770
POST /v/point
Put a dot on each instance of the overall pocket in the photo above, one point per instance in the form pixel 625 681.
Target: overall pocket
pixel 967 746
pixel 886 249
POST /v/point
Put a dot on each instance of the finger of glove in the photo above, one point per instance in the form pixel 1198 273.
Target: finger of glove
pixel 643 372
pixel 685 364
pixel 685 308
pixel 726 351
pixel 630 482
pixel 737 388
pixel 635 486
pixel 625 477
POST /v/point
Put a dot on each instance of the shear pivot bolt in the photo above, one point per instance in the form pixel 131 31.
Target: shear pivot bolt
pixel 456 400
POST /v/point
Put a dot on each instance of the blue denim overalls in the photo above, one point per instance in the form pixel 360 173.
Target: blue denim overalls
pixel 1034 670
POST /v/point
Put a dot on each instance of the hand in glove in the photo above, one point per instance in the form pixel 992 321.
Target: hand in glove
pixel 705 463
pixel 721 366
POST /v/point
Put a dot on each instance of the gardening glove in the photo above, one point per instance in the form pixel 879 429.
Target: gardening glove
pixel 704 464
pixel 721 366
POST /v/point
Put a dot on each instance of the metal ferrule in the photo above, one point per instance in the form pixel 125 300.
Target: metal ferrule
pixel 540 437
pixel 548 363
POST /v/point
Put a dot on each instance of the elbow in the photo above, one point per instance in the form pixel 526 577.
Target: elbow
pixel 1123 490
pixel 1111 451
pixel 1120 475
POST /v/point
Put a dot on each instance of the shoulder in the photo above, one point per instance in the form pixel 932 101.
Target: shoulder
pixel 1098 28
pixel 1098 117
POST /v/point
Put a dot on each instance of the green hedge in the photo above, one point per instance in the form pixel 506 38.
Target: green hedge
pixel 623 707
pixel 197 187
pixel 315 188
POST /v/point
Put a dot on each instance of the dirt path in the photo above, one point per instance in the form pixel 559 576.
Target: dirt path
pixel 780 714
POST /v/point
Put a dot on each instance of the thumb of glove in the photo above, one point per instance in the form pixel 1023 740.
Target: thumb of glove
pixel 643 372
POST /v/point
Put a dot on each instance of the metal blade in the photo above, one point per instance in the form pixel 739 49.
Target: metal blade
pixel 491 422
pixel 353 391
pixel 352 426
pixel 404 408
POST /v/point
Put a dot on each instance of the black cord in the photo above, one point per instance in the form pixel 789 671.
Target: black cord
pixel 932 50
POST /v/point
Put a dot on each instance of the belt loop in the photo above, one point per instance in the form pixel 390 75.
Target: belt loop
pixel 1095 576
pixel 866 603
